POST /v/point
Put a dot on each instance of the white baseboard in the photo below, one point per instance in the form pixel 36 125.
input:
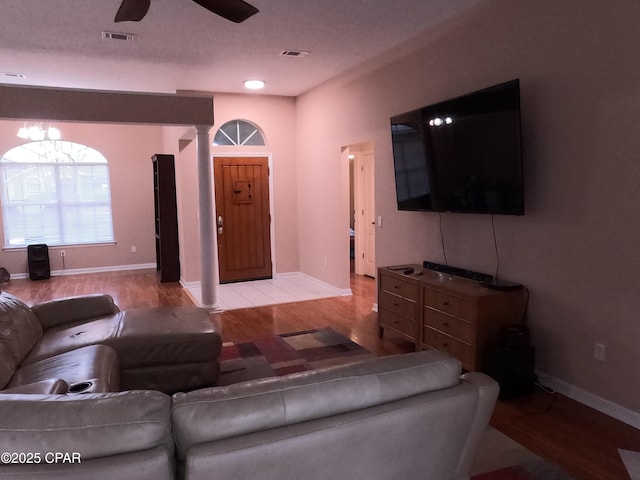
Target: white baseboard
pixel 79 271
pixel 587 398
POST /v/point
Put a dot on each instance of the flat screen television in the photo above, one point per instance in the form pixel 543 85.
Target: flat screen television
pixel 461 155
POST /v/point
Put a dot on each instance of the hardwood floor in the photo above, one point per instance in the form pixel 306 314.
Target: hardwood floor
pixel 581 440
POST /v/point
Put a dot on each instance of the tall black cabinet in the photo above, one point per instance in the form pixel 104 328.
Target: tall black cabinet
pixel 166 218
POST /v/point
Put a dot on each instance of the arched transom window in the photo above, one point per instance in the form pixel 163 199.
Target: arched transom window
pixel 55 192
pixel 238 133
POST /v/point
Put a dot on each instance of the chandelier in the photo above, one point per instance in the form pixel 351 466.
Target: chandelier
pixel 35 131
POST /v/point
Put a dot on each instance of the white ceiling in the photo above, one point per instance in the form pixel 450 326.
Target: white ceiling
pixel 181 46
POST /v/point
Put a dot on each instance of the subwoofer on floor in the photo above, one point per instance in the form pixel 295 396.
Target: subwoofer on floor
pixel 38 260
pixel 512 363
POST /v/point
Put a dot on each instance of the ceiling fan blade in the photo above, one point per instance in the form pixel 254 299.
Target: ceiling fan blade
pixel 235 10
pixel 132 10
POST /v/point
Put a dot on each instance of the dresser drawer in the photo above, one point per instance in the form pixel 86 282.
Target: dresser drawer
pixel 399 287
pixel 465 353
pixel 448 303
pixel 452 326
pixel 398 305
pixel 390 319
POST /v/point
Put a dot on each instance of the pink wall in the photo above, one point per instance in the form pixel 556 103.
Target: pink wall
pixel 187 200
pixel 576 247
pixel 128 150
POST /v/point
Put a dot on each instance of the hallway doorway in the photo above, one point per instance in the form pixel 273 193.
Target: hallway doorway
pixel 362 209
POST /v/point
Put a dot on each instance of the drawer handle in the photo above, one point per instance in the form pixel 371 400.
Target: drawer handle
pixel 396 286
pixel 445 345
pixel 396 305
pixel 445 324
pixel 446 304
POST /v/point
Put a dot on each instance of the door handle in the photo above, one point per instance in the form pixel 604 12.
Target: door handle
pixel 220 221
pixel 220 229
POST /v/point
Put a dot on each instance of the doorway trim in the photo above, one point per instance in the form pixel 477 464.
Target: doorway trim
pixel 272 232
pixel 355 154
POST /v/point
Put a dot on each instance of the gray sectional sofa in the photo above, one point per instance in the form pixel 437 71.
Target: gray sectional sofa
pixel 87 344
pixel 411 416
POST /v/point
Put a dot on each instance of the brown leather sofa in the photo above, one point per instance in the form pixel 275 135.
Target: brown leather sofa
pixel 399 417
pixel 86 344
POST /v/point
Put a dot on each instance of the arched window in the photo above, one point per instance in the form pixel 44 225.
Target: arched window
pixel 55 192
pixel 238 133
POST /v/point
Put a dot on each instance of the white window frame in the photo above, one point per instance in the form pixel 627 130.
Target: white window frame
pixel 46 164
pixel 233 133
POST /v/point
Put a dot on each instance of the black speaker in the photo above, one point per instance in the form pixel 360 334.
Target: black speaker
pixel 514 336
pixel 38 259
pixel 512 363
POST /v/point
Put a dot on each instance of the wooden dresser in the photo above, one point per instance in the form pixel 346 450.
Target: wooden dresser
pixel 399 304
pixel 436 310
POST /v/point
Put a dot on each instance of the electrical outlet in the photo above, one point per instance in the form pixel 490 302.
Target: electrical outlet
pixel 599 351
pixel 63 253
pixel 133 249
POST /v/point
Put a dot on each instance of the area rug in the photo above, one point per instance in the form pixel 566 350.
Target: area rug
pixel 632 462
pixel 501 458
pixel 498 458
pixel 287 353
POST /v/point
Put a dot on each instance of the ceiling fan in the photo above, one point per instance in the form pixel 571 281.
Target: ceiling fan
pixel 235 10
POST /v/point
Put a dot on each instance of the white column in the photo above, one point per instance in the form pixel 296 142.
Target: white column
pixel 208 256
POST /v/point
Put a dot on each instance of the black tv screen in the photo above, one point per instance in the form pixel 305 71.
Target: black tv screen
pixel 461 155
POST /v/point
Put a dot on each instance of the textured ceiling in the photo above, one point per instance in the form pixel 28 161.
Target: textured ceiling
pixel 181 46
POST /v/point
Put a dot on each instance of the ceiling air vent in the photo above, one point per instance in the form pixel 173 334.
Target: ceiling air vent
pixel 294 53
pixel 13 75
pixel 117 36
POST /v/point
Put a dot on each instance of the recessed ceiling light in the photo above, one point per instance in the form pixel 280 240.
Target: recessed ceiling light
pixel 254 84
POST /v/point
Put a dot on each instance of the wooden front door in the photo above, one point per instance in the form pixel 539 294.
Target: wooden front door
pixel 243 218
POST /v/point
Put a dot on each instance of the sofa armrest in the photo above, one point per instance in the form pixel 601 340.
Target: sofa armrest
pixel 488 390
pixel 46 387
pixel 90 425
pixel 74 309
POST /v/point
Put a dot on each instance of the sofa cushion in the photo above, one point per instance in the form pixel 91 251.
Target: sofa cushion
pixel 20 329
pixel 45 387
pixel 165 336
pixel 92 425
pixel 223 412
pixel 142 337
pixel 65 338
pixel 74 309
pixel 97 364
pixel 182 377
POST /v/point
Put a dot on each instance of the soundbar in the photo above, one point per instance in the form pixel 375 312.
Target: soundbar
pixel 458 272
pixel 486 280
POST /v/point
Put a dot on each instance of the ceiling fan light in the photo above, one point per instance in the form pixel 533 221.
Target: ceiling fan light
pixel 23 133
pixel 35 133
pixel 254 84
pixel 53 133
